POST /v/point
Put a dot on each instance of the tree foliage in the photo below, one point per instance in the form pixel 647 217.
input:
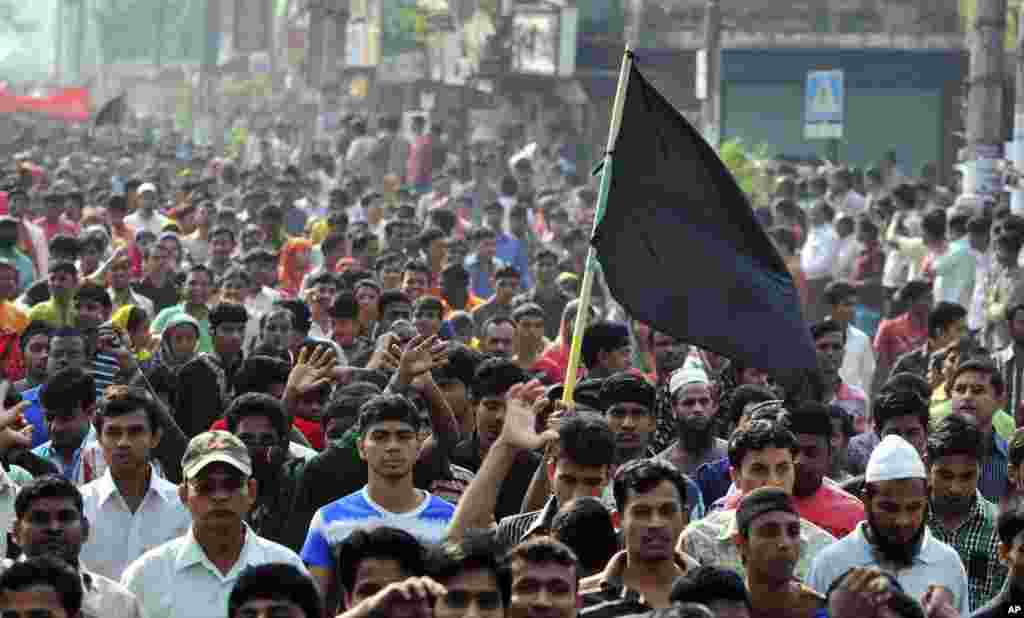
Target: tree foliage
pixel 11 19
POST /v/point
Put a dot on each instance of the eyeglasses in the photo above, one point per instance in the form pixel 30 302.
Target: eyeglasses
pixel 209 486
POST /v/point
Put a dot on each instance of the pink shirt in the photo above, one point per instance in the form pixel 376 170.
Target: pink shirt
pixel 418 168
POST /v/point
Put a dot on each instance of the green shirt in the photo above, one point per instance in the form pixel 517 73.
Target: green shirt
pixel 977 543
pixel 53 313
pixel 160 323
pixel 1002 422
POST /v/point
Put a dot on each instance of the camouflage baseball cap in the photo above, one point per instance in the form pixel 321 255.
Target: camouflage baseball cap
pixel 213 447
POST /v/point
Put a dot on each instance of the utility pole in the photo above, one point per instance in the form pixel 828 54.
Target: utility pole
pixel 76 61
pixel 985 99
pixel 713 55
pixel 1017 156
pixel 58 57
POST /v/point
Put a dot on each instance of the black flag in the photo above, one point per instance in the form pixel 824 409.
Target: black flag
pixel 680 247
pixel 112 112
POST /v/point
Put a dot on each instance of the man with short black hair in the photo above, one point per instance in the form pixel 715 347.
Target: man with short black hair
pixel 960 515
pixel 546 293
pixel 490 387
pixel 762 453
pixel 278 590
pixel 640 578
pixel 473 575
pixel 580 466
pixel 498 337
pixel 768 538
pixel 130 507
pixel 506 285
pixel 50 523
pixel 977 390
pixel 858 364
pixel 68 400
pixel 947 324
pixel 41 587
pixel 606 349
pixel 1009 526
pixel 544 576
pixel 721 590
pixel 389 445
pixel 209 376
pixel 830 343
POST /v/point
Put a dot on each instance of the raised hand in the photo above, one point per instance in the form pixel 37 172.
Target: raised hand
pixel 520 428
pixel 863 593
pixel 410 598
pixel 312 371
pixel 14 431
pixel 386 353
pixel 421 355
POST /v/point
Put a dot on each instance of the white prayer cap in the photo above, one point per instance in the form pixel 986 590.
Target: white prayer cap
pixel 894 459
pixel 687 374
pixel 147 188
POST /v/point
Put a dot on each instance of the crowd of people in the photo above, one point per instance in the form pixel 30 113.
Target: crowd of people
pixel 273 384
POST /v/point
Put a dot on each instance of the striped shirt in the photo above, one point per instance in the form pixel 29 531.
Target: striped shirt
pixel 977 542
pixel 333 523
pixel 514 529
pixel 104 369
pixel 994 481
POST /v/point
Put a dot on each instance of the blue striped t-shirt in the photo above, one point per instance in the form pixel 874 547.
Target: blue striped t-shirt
pixel 333 523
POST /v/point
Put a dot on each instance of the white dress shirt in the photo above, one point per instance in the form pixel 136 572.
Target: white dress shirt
pixel 118 537
pixel 178 580
pixel 976 311
pixel 935 563
pixel 858 367
pixel 846 258
pixel 8 492
pixel 818 257
pixel 262 302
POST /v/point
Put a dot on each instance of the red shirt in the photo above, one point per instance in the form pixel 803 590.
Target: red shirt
pixel 62 226
pixel 310 429
pixel 830 508
pixel 896 337
pixel 420 164
pixel 869 264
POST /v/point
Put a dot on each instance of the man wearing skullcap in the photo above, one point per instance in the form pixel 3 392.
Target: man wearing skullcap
pixel 768 539
pixel 895 538
pixel 694 408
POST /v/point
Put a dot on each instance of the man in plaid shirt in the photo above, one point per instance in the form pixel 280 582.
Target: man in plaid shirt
pixel 961 517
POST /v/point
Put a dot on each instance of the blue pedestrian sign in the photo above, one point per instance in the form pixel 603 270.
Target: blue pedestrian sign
pixel 823 105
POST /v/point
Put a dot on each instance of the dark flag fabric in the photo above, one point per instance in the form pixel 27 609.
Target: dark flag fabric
pixel 112 112
pixel 681 250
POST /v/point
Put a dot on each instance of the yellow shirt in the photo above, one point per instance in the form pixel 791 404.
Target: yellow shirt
pixel 319 230
pixel 53 314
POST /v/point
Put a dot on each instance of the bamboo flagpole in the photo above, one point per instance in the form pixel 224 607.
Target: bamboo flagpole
pixel 602 199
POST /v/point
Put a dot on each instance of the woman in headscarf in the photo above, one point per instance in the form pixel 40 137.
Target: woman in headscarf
pixel 294 266
pixel 179 344
pixel 133 324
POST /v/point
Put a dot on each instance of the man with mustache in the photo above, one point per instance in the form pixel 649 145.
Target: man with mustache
pixel 895 537
pixel 817 499
pixel 650 496
pixel 50 521
pixel 768 539
pixel 961 517
pixel 695 408
pixel 977 389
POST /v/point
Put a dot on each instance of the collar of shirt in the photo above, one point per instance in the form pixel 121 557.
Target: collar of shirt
pixel 928 551
pixel 978 513
pixel 107 487
pixel 191 553
pixel 544 518
pixel 728 532
pixel 610 581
